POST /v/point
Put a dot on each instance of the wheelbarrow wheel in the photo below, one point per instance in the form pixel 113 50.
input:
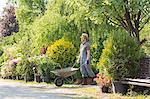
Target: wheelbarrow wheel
pixel 58 81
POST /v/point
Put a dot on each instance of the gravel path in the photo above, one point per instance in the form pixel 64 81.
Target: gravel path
pixel 20 90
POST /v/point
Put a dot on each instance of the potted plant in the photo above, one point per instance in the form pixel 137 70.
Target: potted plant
pixel 103 81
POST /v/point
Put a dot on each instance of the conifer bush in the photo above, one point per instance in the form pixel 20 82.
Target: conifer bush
pixel 120 56
pixel 63 52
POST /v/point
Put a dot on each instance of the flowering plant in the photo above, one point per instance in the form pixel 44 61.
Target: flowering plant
pixel 103 80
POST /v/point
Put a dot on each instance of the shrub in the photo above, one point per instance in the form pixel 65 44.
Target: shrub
pixel 38 65
pixel 25 69
pixel 145 35
pixel 62 52
pixel 4 71
pixel 104 61
pixel 146 47
pixel 19 69
pixel 7 63
pixel 121 55
pixel 45 65
pixel 96 51
pixel 8 69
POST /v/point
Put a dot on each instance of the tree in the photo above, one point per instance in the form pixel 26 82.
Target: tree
pixel 28 11
pixel 132 15
pixel 8 22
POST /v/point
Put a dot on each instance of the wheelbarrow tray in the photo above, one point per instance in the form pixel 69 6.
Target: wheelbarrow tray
pixel 65 72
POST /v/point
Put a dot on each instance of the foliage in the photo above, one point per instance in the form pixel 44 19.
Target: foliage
pixel 45 65
pixel 145 34
pixel 24 46
pixel 96 51
pixel 8 69
pixel 8 61
pixel 128 14
pixel 105 56
pixel 82 17
pixel 146 48
pixel 19 69
pixel 121 55
pixel 65 19
pixel 8 22
pixel 25 68
pixel 8 53
pixel 58 20
pixel 45 22
pixel 46 28
pixel 63 52
pixel 38 65
pixel 28 10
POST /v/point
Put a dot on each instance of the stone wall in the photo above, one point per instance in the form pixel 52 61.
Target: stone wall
pixel 145 68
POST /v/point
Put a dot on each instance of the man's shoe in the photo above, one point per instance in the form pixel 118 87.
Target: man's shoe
pixel 84 81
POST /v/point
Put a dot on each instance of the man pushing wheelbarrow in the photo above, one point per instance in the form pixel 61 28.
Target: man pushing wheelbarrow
pixel 83 60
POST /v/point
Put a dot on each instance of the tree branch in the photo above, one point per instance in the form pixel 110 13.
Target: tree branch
pixel 139 15
pixel 128 19
pixel 108 18
pixel 143 41
pixel 145 23
pixel 137 21
pixel 121 20
pixel 144 14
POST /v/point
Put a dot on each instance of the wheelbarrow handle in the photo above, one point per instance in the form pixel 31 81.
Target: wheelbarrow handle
pixel 74 64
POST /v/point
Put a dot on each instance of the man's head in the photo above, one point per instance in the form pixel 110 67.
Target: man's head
pixel 84 37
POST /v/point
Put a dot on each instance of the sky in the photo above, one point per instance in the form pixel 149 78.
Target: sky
pixel 2 4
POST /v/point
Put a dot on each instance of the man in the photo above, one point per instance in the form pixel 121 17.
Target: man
pixel 84 59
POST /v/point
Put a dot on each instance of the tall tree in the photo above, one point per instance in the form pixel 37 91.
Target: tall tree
pixel 8 22
pixel 28 11
pixel 132 15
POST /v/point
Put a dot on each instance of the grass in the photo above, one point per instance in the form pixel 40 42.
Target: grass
pixel 26 83
pixel 119 96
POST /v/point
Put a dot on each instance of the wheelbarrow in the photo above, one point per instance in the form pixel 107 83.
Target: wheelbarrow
pixel 63 73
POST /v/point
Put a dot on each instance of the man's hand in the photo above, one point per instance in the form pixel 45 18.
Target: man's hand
pixel 87 62
pixel 88 57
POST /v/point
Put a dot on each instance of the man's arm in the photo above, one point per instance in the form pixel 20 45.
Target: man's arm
pixel 88 55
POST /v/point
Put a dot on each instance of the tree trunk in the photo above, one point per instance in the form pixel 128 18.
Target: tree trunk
pixel 137 37
pixel 130 27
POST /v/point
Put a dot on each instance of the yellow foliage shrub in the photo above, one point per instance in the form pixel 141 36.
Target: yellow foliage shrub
pixel 63 52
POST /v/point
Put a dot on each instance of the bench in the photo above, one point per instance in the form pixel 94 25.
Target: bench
pixel 122 86
pixel 137 82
